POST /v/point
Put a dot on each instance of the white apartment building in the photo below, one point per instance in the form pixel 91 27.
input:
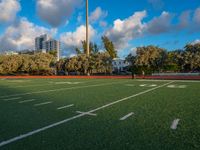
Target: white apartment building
pixel 52 45
pixel 39 42
pixel 45 43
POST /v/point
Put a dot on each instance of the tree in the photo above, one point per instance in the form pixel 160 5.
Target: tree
pixel 131 59
pixel 96 48
pixel 193 48
pixel 109 46
pixel 53 52
pixel 78 51
pixel 151 57
pixel 93 48
pixel 11 64
pixel 192 57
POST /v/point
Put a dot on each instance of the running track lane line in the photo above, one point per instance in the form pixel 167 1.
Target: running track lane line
pixel 23 136
pixel 61 89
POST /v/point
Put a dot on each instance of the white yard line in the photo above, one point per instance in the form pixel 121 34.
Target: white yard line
pixel 182 86
pixel 11 99
pixel 175 124
pixel 63 107
pixel 177 86
pixel 27 101
pixel 38 85
pixel 23 136
pixel 182 81
pixel 41 104
pixel 61 89
pixel 153 85
pixel 86 113
pixel 18 81
pixel 68 83
pixel 142 85
pixel 126 116
pixel 171 86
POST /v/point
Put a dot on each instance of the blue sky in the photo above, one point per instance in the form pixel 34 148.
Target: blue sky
pixel 130 23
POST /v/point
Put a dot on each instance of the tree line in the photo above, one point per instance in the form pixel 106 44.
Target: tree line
pixel 37 64
pixel 153 59
pixel 99 62
pixel 148 60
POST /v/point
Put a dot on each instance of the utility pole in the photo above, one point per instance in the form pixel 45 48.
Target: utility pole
pixel 87 30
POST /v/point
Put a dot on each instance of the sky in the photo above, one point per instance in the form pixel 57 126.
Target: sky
pixel 170 24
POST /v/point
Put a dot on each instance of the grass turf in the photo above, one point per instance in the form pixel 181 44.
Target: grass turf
pixel 148 128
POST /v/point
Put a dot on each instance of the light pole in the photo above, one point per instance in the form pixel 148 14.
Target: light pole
pixel 87 31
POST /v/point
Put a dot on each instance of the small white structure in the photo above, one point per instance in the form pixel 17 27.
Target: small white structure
pixel 119 64
pixel 11 53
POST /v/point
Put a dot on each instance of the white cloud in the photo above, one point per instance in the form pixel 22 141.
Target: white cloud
pixel 125 30
pixel 184 19
pixel 71 40
pixel 97 14
pixel 196 18
pixel 196 42
pixel 56 12
pixel 21 35
pixel 161 24
pixel 103 23
pixel 9 10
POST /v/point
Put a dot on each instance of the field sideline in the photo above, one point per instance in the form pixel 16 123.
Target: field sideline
pixel 60 114
pixel 166 77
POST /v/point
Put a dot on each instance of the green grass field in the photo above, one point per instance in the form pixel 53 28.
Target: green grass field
pixel 113 114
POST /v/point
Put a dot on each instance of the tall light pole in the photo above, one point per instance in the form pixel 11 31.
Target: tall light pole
pixel 87 31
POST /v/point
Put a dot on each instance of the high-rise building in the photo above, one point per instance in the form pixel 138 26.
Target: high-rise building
pixel 52 45
pixel 45 44
pixel 39 42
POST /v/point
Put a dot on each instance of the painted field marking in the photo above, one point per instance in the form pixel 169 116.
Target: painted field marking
pixel 126 116
pixel 177 86
pixel 86 113
pixel 23 136
pixel 63 107
pixel 142 85
pixel 148 85
pixel 11 99
pixel 62 89
pixel 129 85
pixel 171 86
pixel 67 82
pixel 41 104
pixel 38 85
pixel 182 86
pixel 181 81
pixel 18 81
pixel 153 85
pixel 27 101
pixel 175 124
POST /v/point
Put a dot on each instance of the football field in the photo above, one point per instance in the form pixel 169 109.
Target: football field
pixel 99 114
